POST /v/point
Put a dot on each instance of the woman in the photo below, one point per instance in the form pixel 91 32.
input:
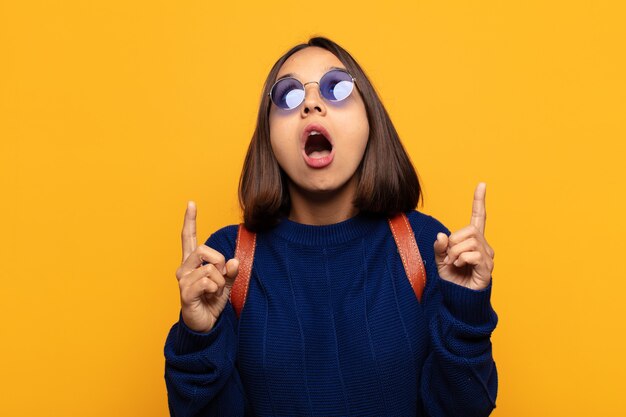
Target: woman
pixel 331 324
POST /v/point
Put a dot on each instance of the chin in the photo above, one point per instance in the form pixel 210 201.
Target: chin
pixel 319 188
pixel 327 187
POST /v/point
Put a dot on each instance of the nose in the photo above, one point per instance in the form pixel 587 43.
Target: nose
pixel 312 100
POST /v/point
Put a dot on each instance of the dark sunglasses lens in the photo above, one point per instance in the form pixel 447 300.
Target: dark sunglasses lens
pixel 287 93
pixel 336 85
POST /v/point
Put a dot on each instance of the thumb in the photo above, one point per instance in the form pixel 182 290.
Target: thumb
pixel 441 247
pixel 232 269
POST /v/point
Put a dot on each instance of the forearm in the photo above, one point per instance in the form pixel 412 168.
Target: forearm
pixel 200 372
pixel 459 377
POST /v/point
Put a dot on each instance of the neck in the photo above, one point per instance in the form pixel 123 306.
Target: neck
pixel 322 208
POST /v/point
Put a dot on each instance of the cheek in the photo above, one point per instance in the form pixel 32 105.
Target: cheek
pixel 281 139
pixel 365 133
pixel 358 122
pixel 360 131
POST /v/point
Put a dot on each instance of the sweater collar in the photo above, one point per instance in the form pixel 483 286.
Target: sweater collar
pixel 331 234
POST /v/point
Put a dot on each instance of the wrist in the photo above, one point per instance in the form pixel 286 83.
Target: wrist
pixel 472 306
pixel 203 325
pixel 189 340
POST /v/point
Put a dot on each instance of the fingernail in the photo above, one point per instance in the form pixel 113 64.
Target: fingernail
pixel 224 270
pixel 445 261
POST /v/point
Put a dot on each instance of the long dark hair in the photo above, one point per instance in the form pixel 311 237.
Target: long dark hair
pixel 386 180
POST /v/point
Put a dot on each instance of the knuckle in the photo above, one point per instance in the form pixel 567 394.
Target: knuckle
pixel 183 282
pixel 184 295
pixel 209 285
pixel 219 280
pixel 210 269
pixel 198 251
pixel 212 254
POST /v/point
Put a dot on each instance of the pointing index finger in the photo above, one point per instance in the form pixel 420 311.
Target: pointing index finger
pixel 479 213
pixel 188 235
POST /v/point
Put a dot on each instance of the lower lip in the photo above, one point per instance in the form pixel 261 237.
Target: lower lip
pixel 319 162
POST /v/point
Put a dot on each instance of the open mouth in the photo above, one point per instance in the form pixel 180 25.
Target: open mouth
pixel 317 145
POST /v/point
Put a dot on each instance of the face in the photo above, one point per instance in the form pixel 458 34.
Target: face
pixel 320 143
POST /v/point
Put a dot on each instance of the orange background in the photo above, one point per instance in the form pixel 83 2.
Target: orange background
pixel 113 114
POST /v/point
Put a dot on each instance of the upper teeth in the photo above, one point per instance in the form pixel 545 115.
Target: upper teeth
pixel 314 132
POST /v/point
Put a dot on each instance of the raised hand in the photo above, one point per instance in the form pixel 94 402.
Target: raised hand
pixel 204 289
pixel 465 258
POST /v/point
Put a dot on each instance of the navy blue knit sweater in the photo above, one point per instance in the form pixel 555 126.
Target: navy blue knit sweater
pixel 332 327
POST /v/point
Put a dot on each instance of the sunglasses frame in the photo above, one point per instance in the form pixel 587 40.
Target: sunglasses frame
pixel 312 82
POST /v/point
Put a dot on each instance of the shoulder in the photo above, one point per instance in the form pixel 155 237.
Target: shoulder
pixel 224 240
pixel 425 227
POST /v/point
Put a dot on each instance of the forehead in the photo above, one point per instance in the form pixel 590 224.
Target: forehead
pixel 309 63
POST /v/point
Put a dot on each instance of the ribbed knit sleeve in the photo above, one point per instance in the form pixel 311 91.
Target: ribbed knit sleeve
pixel 459 376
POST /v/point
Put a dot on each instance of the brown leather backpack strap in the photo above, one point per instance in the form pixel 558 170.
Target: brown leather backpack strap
pixel 244 252
pixel 409 253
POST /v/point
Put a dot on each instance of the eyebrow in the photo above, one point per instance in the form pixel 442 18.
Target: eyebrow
pixel 293 74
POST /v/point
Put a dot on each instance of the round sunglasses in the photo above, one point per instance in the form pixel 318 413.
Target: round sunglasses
pixel 336 85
